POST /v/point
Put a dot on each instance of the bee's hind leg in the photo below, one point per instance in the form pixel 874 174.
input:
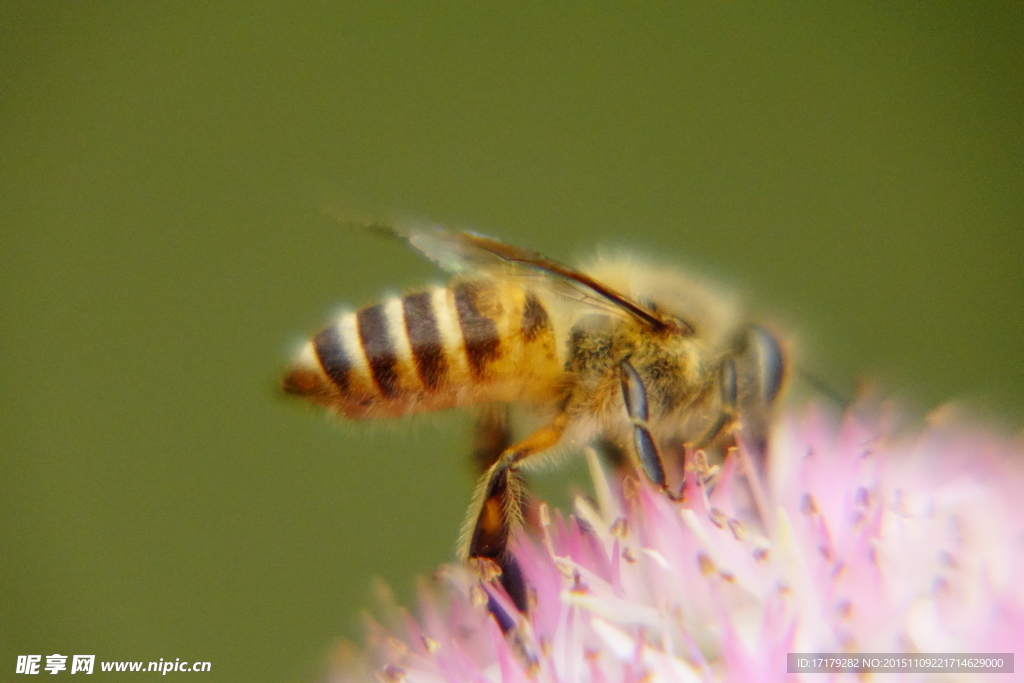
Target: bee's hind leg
pixel 497 512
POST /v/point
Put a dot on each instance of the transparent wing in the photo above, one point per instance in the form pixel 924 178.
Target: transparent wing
pixel 468 252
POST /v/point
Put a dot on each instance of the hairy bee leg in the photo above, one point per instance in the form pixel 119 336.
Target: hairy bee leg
pixel 634 393
pixel 492 435
pixel 497 509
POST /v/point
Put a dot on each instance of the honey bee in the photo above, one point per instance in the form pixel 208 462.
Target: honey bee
pixel 641 357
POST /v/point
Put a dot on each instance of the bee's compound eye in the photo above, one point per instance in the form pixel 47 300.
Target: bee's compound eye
pixel 771 362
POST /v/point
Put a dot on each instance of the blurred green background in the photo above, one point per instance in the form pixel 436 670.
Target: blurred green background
pixel 163 169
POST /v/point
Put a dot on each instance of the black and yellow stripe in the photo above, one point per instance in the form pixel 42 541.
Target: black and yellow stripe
pixel 425 339
pixel 479 331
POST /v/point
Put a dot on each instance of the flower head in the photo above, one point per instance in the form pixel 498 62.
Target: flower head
pixel 865 540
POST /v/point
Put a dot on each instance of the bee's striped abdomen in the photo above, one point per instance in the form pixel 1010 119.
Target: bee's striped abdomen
pixel 333 358
pixel 378 342
pixel 479 330
pixel 425 339
pixel 475 341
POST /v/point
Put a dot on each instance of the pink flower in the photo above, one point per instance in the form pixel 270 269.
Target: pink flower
pixel 871 541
